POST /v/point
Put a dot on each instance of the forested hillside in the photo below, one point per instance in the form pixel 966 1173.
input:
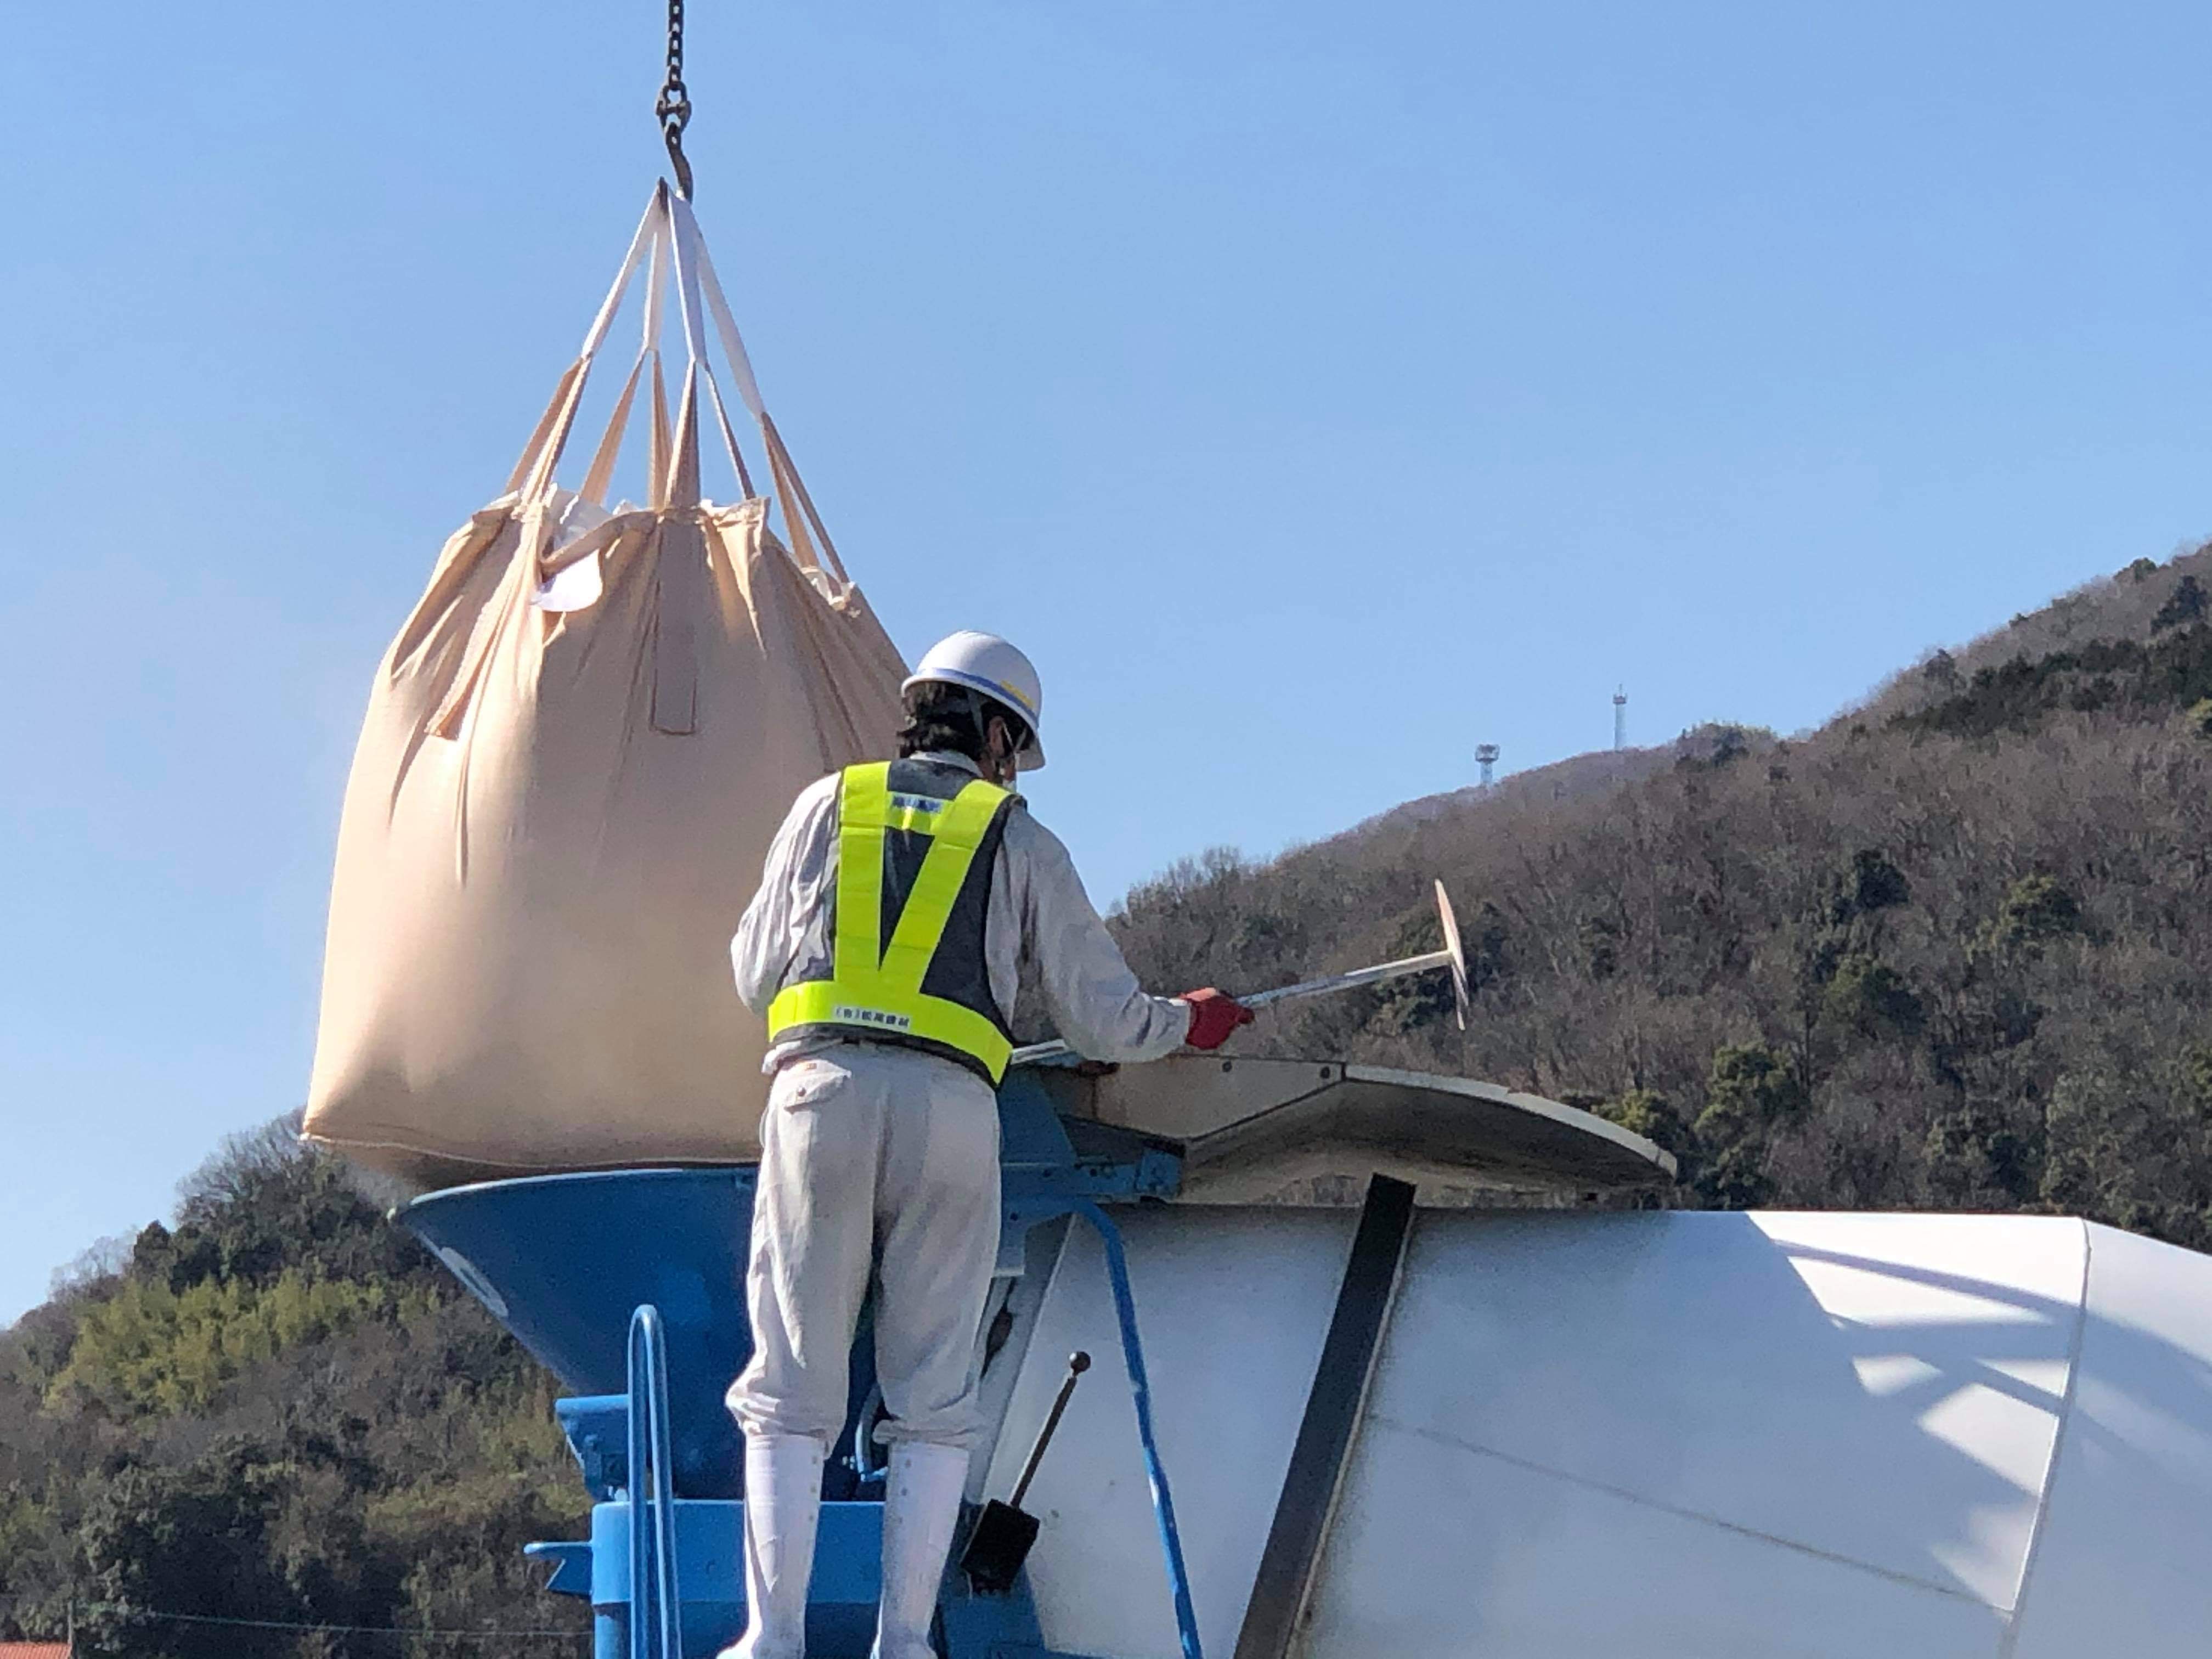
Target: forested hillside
pixel 280 1409
pixel 1952 950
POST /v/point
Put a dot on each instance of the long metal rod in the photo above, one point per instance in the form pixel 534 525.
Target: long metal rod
pixel 1304 988
pixel 1348 980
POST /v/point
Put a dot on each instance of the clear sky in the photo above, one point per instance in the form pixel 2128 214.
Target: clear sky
pixel 1316 392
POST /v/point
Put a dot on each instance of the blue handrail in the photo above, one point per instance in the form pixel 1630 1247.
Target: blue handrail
pixel 654 1610
pixel 1132 1353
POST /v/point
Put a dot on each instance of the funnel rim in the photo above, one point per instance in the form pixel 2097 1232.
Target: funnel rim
pixel 558 1177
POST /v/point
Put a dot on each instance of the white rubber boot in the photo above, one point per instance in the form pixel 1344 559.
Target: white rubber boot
pixel 783 1501
pixel 921 1507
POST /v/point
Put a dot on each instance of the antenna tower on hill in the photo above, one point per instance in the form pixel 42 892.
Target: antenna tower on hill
pixel 1620 717
pixel 1486 754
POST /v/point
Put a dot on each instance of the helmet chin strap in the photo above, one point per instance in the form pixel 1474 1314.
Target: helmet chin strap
pixel 999 744
pixel 999 754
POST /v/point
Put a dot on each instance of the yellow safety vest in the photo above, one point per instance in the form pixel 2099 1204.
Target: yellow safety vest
pixel 876 991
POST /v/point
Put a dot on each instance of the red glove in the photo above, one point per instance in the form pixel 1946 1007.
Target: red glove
pixel 1213 1015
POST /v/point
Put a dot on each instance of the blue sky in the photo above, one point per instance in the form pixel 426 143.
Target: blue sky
pixel 1315 392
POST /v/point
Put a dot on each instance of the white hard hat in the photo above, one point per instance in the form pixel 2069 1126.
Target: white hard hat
pixel 985 662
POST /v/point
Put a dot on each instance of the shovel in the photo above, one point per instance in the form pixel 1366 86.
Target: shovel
pixel 1004 1532
pixel 1451 956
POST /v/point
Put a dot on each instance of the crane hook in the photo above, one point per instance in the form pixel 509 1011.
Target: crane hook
pixel 674 106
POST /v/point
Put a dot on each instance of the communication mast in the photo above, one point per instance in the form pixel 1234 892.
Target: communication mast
pixel 1620 717
pixel 1486 754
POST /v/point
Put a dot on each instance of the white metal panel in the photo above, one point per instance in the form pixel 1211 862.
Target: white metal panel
pixel 1660 1436
pixel 2124 1562
pixel 1442 1552
pixel 1233 1304
pixel 1880 1391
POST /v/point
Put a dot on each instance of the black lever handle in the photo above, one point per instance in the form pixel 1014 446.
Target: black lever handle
pixel 1078 1363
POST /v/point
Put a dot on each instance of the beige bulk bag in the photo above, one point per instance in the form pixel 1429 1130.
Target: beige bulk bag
pixel 577 753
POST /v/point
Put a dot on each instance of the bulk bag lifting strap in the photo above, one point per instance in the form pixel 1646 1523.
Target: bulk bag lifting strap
pixel 576 752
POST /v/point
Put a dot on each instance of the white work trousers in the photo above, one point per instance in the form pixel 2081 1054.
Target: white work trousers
pixel 872 1156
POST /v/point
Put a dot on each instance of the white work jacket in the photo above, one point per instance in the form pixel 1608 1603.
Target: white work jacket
pixel 1039 918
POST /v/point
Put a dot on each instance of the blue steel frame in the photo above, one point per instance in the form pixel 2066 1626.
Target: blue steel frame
pixel 1140 1390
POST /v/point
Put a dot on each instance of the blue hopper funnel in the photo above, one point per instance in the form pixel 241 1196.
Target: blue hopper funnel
pixel 562 1259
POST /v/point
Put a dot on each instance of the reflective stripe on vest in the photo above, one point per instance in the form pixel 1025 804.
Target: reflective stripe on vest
pixel 876 988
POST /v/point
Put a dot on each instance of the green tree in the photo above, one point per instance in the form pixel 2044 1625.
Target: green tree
pixel 1986 1153
pixel 266 1201
pixel 2135 1151
pixel 2035 910
pixel 2184 605
pixel 1599 938
pixel 149 1350
pixel 190 1540
pixel 1865 994
pixel 1871 882
pixel 1646 1112
pixel 1753 1092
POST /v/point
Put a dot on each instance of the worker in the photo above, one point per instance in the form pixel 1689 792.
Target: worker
pixel 901 903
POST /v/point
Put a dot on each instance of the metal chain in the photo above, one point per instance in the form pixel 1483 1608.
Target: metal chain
pixel 674 108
